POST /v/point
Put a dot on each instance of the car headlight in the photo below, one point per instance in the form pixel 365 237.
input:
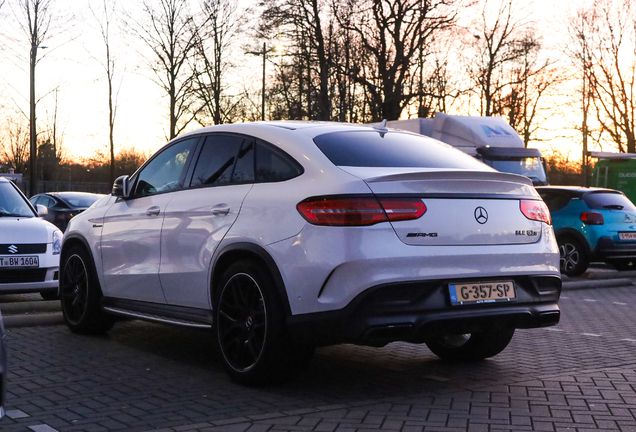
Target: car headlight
pixel 57 242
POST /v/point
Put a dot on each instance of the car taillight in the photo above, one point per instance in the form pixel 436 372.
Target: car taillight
pixel 359 211
pixel 536 210
pixel 592 218
pixel 398 209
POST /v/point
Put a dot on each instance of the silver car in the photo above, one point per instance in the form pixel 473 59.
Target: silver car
pixel 284 236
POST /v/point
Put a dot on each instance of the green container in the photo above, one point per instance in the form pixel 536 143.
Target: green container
pixel 619 174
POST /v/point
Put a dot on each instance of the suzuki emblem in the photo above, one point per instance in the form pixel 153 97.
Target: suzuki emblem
pixel 13 249
pixel 481 215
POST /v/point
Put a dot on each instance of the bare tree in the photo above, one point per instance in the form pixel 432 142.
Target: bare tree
pixel 35 21
pixel 613 71
pixel 53 130
pixel 104 18
pixel 501 38
pixel 170 34
pixel 304 22
pixel 582 29
pixel 220 23
pixel 14 143
pixel 531 78
pixel 392 34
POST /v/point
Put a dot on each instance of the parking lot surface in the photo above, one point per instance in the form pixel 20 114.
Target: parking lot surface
pixel 577 376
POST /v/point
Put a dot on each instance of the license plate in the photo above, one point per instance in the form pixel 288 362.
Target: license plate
pixel 20 261
pixel 627 235
pixel 481 292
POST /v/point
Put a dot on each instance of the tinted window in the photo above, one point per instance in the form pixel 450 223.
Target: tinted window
pixel 554 200
pixel 12 203
pixel 529 167
pixel 79 199
pixel 392 149
pixel 244 169
pixel 48 202
pixel 272 166
pixel 163 173
pixel 608 201
pixel 216 160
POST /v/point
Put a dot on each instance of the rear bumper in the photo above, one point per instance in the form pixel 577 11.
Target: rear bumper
pixel 418 311
pixel 608 250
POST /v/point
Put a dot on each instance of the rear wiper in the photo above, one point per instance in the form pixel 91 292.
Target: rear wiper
pixel 613 206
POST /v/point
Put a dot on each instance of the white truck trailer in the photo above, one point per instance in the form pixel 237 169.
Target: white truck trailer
pixel 489 139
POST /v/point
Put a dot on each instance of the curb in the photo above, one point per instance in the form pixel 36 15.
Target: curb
pixel 597 283
pixel 30 306
pixel 629 274
pixel 33 320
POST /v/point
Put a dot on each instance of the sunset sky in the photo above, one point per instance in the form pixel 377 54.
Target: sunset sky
pixel 69 64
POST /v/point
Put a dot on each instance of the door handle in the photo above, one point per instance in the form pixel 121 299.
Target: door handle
pixel 221 210
pixel 152 211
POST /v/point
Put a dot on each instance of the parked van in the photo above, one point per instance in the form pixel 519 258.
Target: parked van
pixel 489 139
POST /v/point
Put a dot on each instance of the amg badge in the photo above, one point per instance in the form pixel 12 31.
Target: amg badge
pixel 421 235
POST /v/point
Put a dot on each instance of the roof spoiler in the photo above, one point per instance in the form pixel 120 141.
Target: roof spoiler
pixel 454 175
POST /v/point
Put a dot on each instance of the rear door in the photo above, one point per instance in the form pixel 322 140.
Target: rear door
pixel 198 218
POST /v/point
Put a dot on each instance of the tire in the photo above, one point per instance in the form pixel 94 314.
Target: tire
pixel 49 295
pixel 624 265
pixel 80 294
pixel 573 258
pixel 250 328
pixel 472 347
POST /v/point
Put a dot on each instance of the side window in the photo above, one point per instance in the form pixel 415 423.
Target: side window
pixel 555 201
pixel 216 161
pixel 272 166
pixel 163 173
pixel 48 202
pixel 244 169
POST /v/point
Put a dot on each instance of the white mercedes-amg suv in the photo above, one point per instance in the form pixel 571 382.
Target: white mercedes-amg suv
pixel 284 236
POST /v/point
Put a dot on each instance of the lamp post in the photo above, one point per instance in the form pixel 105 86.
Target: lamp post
pixel 264 54
pixel 33 146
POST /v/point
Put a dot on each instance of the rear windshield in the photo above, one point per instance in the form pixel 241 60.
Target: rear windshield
pixel 392 149
pixel 608 200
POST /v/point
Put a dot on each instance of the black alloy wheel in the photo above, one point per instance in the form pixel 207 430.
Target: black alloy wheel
pixel 250 325
pixel 242 322
pixel 75 289
pixel 80 294
pixel 573 258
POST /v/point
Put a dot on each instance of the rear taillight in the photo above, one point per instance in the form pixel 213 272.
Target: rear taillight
pixel 536 210
pixel 592 218
pixel 398 209
pixel 359 211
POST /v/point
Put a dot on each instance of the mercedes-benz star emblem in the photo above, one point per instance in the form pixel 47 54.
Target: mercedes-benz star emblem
pixel 481 215
pixel 13 249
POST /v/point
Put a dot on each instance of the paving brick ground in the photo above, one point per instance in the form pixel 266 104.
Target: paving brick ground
pixel 578 376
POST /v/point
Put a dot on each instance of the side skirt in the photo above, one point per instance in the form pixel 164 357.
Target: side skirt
pixel 157 312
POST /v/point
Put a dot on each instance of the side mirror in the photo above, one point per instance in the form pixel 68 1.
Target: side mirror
pixel 42 210
pixel 120 187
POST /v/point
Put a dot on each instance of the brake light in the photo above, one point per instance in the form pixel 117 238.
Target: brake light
pixel 359 211
pixel 592 218
pixel 536 210
pixel 398 209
